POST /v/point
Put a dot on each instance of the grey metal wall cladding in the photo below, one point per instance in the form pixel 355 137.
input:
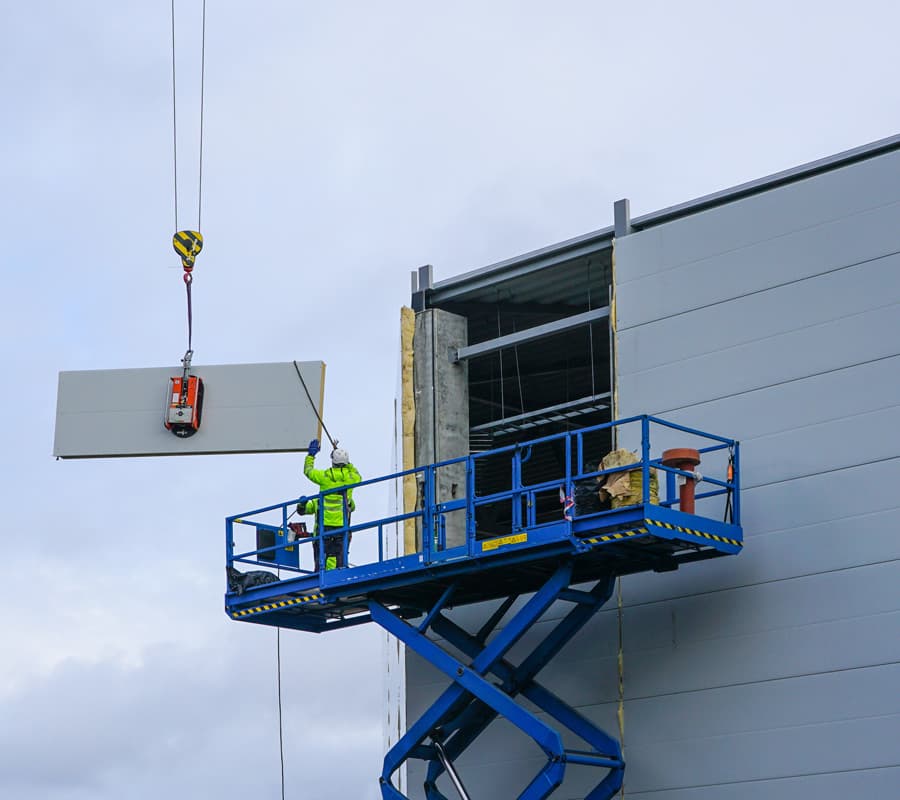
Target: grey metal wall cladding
pixel 808 203
pixel 774 319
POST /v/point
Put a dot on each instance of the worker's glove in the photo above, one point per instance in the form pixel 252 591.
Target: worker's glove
pixel 313 447
pixel 352 506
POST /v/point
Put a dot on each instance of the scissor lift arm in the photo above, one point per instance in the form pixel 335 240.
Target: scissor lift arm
pixel 472 702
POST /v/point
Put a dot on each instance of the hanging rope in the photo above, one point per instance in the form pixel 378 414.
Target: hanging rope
pixel 187 285
pixel 175 116
pixel 334 443
pixel 280 724
pixel 202 87
pixel 174 119
pixel 188 244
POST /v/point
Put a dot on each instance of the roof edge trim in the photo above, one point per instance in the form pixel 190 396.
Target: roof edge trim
pixel 562 251
pixel 792 175
pixel 603 237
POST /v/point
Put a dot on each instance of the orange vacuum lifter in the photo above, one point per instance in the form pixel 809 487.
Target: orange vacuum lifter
pixel 185 401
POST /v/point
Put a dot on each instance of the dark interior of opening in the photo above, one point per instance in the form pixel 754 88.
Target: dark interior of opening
pixel 553 384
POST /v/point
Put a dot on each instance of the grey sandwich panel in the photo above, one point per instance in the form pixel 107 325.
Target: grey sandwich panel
pixel 774 319
pixel 805 204
pixel 247 408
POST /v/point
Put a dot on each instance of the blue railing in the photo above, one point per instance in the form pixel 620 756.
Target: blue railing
pixel 431 515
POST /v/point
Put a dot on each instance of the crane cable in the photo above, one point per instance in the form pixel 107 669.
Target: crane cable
pixel 278 684
pixel 188 243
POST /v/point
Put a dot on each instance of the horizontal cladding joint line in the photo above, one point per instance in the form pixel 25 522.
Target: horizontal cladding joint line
pixel 766 387
pixel 751 292
pixel 307 598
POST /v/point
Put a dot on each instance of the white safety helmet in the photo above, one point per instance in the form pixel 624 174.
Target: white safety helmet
pixel 339 457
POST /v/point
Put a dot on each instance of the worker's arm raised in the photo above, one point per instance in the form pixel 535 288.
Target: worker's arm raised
pixel 309 469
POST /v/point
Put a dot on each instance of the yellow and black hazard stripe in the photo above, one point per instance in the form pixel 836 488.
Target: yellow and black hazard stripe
pixel 615 537
pixel 278 605
pixel 187 244
pixel 703 534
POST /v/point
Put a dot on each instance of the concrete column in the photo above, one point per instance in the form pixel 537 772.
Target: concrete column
pixel 442 407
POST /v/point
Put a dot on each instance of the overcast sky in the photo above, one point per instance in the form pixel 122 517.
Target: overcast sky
pixel 345 144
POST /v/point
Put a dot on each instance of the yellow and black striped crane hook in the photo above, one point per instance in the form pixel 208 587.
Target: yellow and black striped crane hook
pixel 188 245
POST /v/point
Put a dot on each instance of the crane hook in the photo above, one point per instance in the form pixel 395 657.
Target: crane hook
pixel 187 244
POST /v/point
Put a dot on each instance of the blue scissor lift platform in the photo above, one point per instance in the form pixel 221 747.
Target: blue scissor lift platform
pixel 542 547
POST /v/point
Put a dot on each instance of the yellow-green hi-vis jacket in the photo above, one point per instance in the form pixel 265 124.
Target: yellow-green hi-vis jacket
pixel 332 478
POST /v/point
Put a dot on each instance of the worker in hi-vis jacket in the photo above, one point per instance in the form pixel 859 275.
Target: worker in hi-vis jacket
pixel 337 505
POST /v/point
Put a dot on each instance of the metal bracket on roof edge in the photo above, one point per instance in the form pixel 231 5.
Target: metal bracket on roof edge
pixel 622 217
pixel 422 281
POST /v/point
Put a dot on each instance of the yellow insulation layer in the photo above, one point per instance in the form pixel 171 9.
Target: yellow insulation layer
pixel 408 416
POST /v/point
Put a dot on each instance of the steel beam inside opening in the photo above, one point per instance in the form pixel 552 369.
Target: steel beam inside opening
pixel 540 416
pixel 247 408
pixel 530 334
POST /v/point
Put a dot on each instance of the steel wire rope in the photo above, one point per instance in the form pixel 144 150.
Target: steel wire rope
pixel 518 372
pixel 280 723
pixel 188 288
pixel 175 115
pixel 174 119
pixel 202 88
pixel 188 276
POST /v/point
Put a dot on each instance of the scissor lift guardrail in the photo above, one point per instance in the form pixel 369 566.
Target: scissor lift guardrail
pixel 536 555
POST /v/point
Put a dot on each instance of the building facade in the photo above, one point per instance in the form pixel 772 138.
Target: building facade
pixel 769 313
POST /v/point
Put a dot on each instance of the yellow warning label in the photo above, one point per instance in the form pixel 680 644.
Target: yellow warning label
pixel 493 544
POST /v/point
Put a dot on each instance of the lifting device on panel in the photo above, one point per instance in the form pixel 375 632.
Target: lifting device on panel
pixel 536 559
pixel 184 403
